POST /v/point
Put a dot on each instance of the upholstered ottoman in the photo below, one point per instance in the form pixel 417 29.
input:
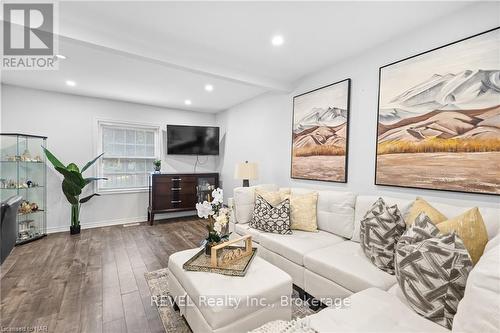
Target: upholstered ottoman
pixel 218 303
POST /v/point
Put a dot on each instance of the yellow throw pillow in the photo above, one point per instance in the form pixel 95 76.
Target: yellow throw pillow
pixel 470 227
pixel 273 197
pixel 303 212
pixel 422 206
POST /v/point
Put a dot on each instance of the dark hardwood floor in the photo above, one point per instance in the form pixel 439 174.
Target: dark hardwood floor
pixel 93 282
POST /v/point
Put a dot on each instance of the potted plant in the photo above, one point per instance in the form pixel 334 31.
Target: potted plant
pixel 218 219
pixel 157 164
pixel 72 186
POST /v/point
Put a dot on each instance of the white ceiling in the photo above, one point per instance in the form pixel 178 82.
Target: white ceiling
pixel 161 53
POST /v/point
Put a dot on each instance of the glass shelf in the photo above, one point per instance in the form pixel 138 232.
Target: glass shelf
pixel 22 160
pixel 21 188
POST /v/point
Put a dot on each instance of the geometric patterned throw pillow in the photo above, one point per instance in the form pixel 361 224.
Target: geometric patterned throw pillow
pixel 271 219
pixel 432 270
pixel 380 231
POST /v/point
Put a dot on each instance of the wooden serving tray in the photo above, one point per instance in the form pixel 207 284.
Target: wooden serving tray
pixel 201 262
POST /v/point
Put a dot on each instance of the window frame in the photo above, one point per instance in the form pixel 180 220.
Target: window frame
pixel 99 148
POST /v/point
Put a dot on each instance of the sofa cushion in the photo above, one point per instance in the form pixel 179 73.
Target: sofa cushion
pixel 432 269
pixel 470 227
pixel 335 212
pixel 478 311
pixel 346 264
pixel 271 219
pixel 303 211
pixel 372 310
pixel 491 216
pixel 243 229
pixel 293 247
pixel 421 206
pixel 244 201
pixel 363 204
pixel 380 232
pixel 273 197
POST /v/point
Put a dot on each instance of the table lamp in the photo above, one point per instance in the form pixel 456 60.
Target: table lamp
pixel 246 171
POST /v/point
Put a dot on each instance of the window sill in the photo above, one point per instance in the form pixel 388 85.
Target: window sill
pixel 123 191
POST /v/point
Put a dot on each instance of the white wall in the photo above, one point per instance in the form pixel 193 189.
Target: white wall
pixel 69 122
pixel 260 130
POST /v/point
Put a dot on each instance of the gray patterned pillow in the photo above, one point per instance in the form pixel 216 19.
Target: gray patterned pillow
pixel 271 219
pixel 380 230
pixel 432 269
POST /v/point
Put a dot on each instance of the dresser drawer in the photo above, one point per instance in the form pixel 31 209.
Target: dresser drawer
pixel 172 201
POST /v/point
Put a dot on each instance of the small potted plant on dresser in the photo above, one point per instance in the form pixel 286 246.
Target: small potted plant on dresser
pixel 217 215
pixel 157 164
pixel 72 186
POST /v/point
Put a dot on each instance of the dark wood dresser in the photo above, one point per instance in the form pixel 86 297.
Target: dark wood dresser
pixel 176 192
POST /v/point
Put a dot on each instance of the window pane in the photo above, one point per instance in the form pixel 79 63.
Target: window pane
pixel 141 137
pixel 130 136
pixel 130 150
pixel 107 134
pixel 150 138
pixel 108 148
pixel 119 136
pixel 140 150
pixel 123 163
pixel 119 150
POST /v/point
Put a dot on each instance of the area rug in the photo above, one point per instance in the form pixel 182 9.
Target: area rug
pixel 174 322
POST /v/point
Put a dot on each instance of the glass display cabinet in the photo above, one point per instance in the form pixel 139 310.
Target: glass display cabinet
pixel 23 172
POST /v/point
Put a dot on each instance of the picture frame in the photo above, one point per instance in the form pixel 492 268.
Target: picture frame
pixel 441 141
pixel 320 133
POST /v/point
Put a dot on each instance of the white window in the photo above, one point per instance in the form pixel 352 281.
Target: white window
pixel 129 151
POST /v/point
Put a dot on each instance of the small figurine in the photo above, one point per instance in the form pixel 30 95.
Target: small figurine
pixel 25 208
pixel 26 156
pixel 29 183
pixel 34 207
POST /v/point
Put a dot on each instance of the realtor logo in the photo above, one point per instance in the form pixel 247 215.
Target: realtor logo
pixel 28 36
pixel 34 36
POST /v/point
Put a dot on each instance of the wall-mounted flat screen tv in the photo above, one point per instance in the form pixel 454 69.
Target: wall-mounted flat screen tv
pixel 192 140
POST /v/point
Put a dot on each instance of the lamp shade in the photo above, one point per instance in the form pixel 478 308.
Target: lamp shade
pixel 246 171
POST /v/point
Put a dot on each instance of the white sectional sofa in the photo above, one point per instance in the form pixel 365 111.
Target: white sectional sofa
pixel 331 264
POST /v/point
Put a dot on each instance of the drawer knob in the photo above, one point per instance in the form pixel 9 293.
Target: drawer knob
pixel 176 201
pixel 176 188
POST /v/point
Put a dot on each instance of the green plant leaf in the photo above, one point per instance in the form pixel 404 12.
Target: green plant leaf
pixel 72 176
pixel 55 162
pixel 70 197
pixel 71 189
pixel 84 200
pixel 89 164
pixel 73 167
pixel 91 179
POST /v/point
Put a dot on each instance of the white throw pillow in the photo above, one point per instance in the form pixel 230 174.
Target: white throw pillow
pixel 335 212
pixel 480 308
pixel 244 201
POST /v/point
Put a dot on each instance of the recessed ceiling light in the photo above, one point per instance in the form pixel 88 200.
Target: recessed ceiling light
pixel 187 102
pixel 209 87
pixel 70 83
pixel 277 40
pixel 60 56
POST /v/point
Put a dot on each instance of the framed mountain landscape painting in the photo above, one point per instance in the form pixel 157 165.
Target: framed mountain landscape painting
pixel 320 133
pixel 439 118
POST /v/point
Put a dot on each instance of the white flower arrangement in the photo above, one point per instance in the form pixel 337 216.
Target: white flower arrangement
pixel 217 214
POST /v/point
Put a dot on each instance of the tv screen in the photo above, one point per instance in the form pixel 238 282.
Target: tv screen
pixel 192 140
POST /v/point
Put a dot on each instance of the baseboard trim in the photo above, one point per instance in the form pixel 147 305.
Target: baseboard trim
pixel 106 223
